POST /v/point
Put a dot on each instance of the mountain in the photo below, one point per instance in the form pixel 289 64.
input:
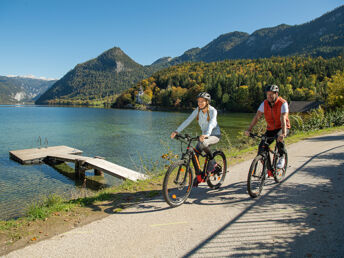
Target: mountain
pixel 108 74
pixel 113 71
pixel 323 36
pixel 22 89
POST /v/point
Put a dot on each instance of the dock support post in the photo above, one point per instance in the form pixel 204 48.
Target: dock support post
pixel 98 172
pixel 79 169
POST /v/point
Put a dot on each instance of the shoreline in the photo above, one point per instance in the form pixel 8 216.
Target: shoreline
pixel 15 234
pixel 137 107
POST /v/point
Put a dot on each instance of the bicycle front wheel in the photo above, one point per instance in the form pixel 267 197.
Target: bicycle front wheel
pixel 256 176
pixel 216 177
pixel 177 183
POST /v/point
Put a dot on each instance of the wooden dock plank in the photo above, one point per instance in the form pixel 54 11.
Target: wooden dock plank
pixel 115 170
pixel 35 155
pixel 67 157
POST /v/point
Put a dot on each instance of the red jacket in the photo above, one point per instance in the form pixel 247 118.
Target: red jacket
pixel 273 115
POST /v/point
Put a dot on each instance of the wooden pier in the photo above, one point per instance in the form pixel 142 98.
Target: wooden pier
pixel 55 154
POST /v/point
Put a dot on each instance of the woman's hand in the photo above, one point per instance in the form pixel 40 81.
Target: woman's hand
pixel 173 134
pixel 202 137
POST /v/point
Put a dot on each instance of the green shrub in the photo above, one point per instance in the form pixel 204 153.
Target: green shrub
pixel 317 119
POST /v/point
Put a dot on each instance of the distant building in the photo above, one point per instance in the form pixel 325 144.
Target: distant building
pixel 139 95
pixel 303 106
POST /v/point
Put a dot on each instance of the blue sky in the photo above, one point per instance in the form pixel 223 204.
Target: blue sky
pixel 48 38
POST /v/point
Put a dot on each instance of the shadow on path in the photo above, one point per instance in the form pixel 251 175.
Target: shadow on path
pixel 301 218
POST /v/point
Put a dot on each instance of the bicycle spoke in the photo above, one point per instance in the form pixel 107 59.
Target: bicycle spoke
pixel 219 170
pixel 279 174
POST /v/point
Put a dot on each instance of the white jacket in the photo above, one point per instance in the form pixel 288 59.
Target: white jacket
pixel 208 128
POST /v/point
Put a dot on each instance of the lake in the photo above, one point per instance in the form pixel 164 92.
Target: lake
pixel 125 137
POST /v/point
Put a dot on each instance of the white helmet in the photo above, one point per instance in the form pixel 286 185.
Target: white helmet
pixel 204 95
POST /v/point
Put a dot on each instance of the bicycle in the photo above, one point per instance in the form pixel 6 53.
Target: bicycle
pixel 178 181
pixel 263 167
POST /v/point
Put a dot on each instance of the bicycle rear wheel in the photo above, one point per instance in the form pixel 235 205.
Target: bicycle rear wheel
pixel 256 176
pixel 217 177
pixel 177 183
pixel 280 172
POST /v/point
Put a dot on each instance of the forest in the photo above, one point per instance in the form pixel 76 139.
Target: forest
pixel 237 85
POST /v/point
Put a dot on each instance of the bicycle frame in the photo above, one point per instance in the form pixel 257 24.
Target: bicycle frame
pixel 270 164
pixel 196 162
pixel 192 157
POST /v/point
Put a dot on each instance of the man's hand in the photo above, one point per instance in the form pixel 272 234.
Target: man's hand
pixel 281 138
pixel 173 134
pixel 254 122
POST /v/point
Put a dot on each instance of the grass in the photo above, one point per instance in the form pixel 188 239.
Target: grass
pixel 5 225
pixel 43 209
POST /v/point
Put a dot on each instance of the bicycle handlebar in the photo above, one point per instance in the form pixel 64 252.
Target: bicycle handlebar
pixel 252 135
pixel 187 137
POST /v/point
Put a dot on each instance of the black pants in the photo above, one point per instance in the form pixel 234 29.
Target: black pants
pixel 280 145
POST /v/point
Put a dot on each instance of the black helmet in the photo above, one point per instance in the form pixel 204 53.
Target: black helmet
pixel 204 95
pixel 272 87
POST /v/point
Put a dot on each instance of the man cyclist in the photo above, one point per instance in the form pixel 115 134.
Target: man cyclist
pixel 275 110
pixel 206 116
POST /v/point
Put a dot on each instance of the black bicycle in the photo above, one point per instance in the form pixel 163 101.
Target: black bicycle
pixel 178 179
pixel 263 167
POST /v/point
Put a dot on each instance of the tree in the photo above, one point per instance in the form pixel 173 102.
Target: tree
pixel 218 92
pixel 146 99
pixel 225 98
pixel 299 94
pixel 335 91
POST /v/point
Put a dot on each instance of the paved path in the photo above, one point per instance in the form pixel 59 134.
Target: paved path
pixel 302 217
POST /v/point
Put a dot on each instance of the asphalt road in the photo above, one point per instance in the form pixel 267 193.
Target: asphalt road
pixel 301 217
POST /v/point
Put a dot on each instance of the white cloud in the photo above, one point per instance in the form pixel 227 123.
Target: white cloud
pixel 30 76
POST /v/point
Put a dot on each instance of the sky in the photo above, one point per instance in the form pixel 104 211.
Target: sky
pixel 48 38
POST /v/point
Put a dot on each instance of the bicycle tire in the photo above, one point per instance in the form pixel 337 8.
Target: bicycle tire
pixel 279 174
pixel 176 192
pixel 256 180
pixel 218 176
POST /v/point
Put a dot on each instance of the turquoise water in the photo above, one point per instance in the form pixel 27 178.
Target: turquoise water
pixel 124 137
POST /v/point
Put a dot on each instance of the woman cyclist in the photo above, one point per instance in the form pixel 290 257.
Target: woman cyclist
pixel 206 116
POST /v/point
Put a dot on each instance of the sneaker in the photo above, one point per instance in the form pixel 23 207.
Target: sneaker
pixel 281 162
